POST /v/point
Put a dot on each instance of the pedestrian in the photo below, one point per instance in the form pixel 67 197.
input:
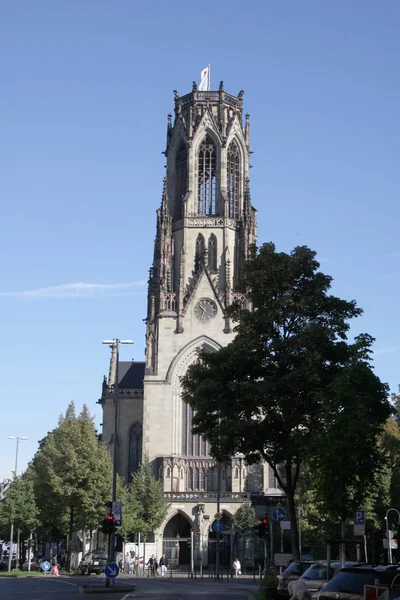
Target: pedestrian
pixel 151 563
pixel 127 562
pixel 163 565
pixel 298 590
pixel 237 568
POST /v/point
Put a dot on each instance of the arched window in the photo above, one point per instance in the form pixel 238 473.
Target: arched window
pixel 168 472
pixel 195 478
pixel 233 179
pixel 180 178
pixel 190 479
pixel 236 473
pixel 181 473
pixel 207 177
pixel 192 445
pixel 199 253
pixel 135 448
pixel 212 252
pixel 201 480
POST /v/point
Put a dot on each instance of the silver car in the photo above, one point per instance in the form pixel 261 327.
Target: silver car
pixel 316 576
pixel 294 571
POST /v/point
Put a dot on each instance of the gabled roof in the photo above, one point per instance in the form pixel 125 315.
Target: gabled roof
pixel 131 375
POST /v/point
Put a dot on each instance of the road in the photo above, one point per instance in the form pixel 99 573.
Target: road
pixel 68 588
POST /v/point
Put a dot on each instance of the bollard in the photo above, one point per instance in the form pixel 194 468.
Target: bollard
pixel 254 572
pixel 170 572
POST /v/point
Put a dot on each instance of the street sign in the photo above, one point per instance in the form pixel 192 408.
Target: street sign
pixel 45 565
pixel 393 544
pixel 359 518
pixel 282 560
pixel 217 526
pixel 285 524
pixel 218 516
pixel 111 570
pixel 373 592
pixel 279 514
pixel 359 522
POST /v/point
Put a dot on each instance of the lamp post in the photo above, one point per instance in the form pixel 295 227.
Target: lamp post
pixel 114 344
pixel 13 437
pixel 389 541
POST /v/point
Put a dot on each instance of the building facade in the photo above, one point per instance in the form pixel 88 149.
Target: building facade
pixel 205 226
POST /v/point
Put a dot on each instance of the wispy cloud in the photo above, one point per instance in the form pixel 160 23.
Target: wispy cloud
pixel 387 350
pixel 80 290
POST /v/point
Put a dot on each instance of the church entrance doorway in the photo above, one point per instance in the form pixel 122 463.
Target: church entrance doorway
pixel 176 541
pixel 224 543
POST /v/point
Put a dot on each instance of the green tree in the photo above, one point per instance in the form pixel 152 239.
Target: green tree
pixel 19 506
pixel 147 505
pixel 347 456
pixel 72 474
pixel 244 521
pixel 264 394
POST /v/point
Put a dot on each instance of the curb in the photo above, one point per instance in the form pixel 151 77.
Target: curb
pixel 97 589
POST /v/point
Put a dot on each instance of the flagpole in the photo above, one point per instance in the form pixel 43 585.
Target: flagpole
pixel 209 76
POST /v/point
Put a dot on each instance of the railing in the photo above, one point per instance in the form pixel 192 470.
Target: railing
pixel 208 496
pixel 204 96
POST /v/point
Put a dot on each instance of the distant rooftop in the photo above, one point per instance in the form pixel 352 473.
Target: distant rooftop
pixel 131 375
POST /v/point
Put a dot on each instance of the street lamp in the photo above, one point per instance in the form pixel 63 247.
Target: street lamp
pixel 14 437
pixel 114 344
pixel 389 541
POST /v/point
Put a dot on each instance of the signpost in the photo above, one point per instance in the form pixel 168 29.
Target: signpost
pixel 45 566
pixel 278 514
pixel 359 523
pixel 111 570
pixel 217 526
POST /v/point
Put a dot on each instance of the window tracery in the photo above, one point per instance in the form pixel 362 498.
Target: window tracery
pixel 180 177
pixel 212 252
pixel 233 179
pixel 207 177
pixel 199 252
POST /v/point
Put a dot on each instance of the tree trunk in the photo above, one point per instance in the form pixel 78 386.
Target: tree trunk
pixel 290 491
pixel 342 544
pixel 70 532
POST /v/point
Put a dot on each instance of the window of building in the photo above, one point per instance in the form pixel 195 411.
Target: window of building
pixel 212 252
pixel 201 480
pixel 135 448
pixel 199 252
pixel 236 473
pixel 207 177
pixel 195 478
pixel 233 179
pixel 168 472
pixel 180 178
pixel 190 479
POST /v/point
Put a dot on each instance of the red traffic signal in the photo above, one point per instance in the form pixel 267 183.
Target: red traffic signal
pixel 264 521
pixel 110 518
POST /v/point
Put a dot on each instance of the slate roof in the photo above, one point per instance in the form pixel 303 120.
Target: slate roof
pixel 131 375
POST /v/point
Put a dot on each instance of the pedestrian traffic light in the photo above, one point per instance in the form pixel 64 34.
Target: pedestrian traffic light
pixel 108 524
pixel 189 542
pixel 262 530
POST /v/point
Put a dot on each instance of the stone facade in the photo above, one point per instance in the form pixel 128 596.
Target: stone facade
pixel 205 226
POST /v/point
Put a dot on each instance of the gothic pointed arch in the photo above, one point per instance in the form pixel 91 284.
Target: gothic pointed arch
pixel 207 177
pixel 181 158
pixel 212 253
pixel 233 178
pixel 135 448
pixel 199 252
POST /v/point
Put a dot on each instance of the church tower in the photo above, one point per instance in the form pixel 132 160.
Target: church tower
pixel 205 225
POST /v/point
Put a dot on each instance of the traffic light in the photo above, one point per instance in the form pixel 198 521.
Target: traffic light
pixel 262 530
pixel 108 524
pixel 189 542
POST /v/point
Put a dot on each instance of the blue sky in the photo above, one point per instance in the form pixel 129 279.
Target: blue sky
pixel 85 89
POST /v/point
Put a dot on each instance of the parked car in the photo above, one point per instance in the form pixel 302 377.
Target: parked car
pixel 316 576
pixel 349 584
pixel 294 571
pixel 36 564
pixel 93 562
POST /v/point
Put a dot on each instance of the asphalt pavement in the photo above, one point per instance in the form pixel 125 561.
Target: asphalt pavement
pixel 70 588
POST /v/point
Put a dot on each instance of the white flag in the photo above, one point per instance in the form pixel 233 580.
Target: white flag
pixel 204 84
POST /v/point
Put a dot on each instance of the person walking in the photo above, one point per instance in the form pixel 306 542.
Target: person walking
pixel 151 563
pixel 127 562
pixel 163 565
pixel 237 568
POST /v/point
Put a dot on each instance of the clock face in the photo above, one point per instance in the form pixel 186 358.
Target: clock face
pixel 205 309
